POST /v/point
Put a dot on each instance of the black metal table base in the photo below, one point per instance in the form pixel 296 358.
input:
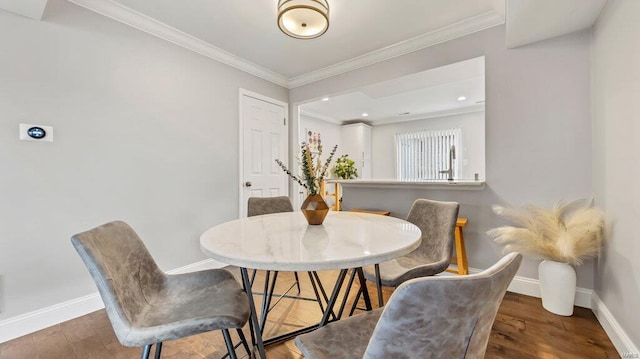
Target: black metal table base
pixel 256 335
pixel 257 327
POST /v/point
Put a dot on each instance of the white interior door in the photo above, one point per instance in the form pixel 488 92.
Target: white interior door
pixel 263 139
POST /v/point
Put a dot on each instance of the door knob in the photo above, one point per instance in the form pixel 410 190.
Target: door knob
pixel 247 184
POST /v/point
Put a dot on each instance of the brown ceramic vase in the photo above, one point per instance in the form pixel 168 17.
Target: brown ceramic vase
pixel 315 209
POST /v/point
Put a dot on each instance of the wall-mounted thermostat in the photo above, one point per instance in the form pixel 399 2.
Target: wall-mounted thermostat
pixel 36 133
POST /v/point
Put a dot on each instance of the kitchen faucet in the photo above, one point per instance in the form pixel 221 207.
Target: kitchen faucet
pixel 452 156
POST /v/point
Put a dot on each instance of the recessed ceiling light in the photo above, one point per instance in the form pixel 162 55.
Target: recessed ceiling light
pixel 364 114
pixel 325 99
pixel 461 98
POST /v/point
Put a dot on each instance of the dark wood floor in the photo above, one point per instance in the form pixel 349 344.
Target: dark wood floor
pixel 523 329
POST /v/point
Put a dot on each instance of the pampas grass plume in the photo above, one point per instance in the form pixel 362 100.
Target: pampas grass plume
pixel 567 232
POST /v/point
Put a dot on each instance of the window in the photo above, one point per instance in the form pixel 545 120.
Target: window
pixel 422 155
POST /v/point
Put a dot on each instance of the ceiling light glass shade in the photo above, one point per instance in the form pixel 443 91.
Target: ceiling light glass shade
pixel 303 19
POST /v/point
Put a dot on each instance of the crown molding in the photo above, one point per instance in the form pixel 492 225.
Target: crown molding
pixel 317 116
pixel 450 32
pixel 127 16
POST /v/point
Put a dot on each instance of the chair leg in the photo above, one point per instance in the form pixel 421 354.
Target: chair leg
pixel 229 343
pixel 295 274
pixel 379 286
pixel 244 341
pixel 145 351
pixel 158 350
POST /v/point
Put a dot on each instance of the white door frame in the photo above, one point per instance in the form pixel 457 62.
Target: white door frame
pixel 296 197
pixel 242 92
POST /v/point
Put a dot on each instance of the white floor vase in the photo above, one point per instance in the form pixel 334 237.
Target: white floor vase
pixel 557 287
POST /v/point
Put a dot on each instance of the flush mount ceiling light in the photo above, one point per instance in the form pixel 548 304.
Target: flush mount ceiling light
pixel 303 19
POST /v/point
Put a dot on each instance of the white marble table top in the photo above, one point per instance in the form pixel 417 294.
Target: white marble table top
pixel 284 241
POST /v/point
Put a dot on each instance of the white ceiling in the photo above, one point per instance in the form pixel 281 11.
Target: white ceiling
pixel 247 28
pixel 429 93
pixel 531 21
pixel 244 34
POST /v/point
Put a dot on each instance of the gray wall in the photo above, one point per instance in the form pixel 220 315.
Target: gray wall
pixel 538 130
pixel 145 131
pixel 616 160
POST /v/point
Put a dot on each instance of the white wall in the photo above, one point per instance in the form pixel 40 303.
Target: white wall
pixel 538 131
pixel 615 60
pixel 331 135
pixel 384 152
pixel 145 131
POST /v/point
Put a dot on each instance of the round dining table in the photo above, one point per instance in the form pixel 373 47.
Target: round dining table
pixel 285 242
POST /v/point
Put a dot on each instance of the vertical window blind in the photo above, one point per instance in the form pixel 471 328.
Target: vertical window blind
pixel 422 155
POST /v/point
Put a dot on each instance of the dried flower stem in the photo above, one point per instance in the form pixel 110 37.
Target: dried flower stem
pixel 313 171
pixel 286 170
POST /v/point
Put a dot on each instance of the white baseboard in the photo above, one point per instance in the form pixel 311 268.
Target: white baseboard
pixel 585 298
pixel 531 287
pixel 43 318
pixel 198 266
pixel 618 336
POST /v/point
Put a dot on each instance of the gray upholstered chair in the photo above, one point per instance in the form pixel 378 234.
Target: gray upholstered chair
pixel 147 306
pixel 437 221
pixel 431 317
pixel 266 205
